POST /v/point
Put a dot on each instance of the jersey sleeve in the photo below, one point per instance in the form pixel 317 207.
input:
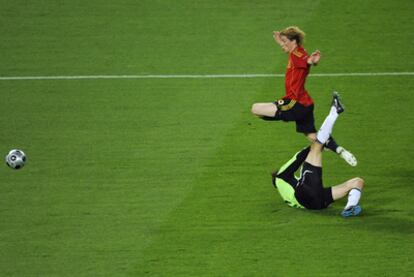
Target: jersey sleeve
pixel 299 59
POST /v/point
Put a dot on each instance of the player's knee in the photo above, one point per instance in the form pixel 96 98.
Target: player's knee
pixel 311 137
pixel 255 109
pixel 264 109
pixel 358 183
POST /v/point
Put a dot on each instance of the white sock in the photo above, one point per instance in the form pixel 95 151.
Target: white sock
pixel 353 198
pixel 326 129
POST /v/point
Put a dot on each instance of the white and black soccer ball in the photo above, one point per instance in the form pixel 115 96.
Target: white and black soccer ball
pixel 16 159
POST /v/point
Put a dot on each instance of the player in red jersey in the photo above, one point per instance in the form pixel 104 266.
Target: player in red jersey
pixel 297 105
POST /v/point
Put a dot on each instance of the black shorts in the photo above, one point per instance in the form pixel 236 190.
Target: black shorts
pixel 310 192
pixel 290 110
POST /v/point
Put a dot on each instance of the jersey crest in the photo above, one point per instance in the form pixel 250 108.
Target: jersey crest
pixel 297 54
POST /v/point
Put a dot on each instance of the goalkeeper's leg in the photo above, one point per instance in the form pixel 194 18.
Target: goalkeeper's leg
pixel 287 171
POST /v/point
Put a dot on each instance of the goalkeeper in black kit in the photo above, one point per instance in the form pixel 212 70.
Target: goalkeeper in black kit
pixel 307 191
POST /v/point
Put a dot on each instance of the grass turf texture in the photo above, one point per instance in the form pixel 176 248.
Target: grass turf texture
pixel 171 177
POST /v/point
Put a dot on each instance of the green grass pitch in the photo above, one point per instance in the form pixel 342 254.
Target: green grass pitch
pixel 171 177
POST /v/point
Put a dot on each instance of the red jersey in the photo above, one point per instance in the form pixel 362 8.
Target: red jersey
pixel 296 73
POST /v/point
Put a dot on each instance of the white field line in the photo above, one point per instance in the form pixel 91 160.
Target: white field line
pixel 199 76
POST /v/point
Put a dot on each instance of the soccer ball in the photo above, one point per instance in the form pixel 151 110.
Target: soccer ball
pixel 16 159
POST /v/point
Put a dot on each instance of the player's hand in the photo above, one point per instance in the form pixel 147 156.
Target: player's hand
pixel 277 37
pixel 315 57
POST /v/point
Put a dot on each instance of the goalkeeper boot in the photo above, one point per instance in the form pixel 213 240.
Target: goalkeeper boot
pixel 351 211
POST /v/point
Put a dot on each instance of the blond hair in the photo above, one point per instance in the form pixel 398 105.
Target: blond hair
pixel 294 33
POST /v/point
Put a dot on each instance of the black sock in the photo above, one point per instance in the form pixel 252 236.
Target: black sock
pixel 331 144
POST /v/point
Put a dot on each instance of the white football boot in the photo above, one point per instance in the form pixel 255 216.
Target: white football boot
pixel 347 156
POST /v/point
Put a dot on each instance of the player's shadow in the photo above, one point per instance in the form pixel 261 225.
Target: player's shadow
pixel 402 172
pixel 375 219
pixel 405 178
pixel 382 219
